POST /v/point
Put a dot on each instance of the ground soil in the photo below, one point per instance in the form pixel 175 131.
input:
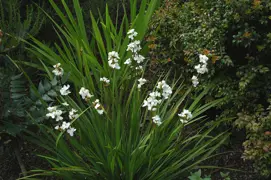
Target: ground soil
pixel 233 159
pixel 9 166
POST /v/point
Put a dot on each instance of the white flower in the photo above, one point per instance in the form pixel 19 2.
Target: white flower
pixel 113 59
pixel 139 68
pixel 104 79
pixel 195 81
pixel 155 94
pixel 65 125
pixel 203 59
pixel 57 127
pixel 128 61
pixel 96 101
pixel 58 71
pixel 167 90
pixel 71 131
pixel 59 118
pixel 85 93
pixel 183 121
pixel 185 115
pixel 65 104
pixel 64 91
pixel 141 81
pixel 114 65
pixel 54 113
pixel 138 58
pixel 155 98
pixel 132 33
pixel 157 120
pixel 100 111
pixel 98 106
pixel 134 46
pixel 72 114
pixel 113 55
pixel 52 108
pixel 151 102
pixel 201 69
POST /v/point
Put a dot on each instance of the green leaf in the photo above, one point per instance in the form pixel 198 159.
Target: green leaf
pixel 52 93
pixel 47 98
pixel 41 88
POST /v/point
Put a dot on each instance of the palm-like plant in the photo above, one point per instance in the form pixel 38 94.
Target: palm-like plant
pixel 117 137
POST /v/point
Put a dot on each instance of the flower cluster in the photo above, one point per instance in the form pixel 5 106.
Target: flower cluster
pixel 152 101
pixel 55 113
pixel 156 120
pixel 85 94
pixel 105 80
pixel 195 81
pixel 64 91
pixel 166 89
pixel 134 47
pixel 113 60
pixel 58 71
pixel 155 98
pixel 185 115
pixel 200 68
pixel 132 34
pixel 73 115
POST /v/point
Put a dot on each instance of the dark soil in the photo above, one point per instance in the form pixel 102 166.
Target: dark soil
pixel 233 160
pixel 9 166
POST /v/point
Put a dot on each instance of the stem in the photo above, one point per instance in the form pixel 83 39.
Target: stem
pixel 19 159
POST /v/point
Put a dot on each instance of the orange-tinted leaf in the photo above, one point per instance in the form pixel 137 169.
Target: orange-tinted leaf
pixel 214 59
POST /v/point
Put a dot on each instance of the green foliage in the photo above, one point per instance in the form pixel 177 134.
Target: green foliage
pixel 225 176
pixel 18 100
pixel 14 88
pixel 197 176
pixel 13 91
pixel 235 35
pixel 123 142
pixel 257 146
pixel 16 25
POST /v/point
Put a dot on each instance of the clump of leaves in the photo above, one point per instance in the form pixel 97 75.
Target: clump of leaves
pixel 116 136
pixel 18 100
pixel 258 128
pixel 235 35
pixel 15 25
pixel 197 176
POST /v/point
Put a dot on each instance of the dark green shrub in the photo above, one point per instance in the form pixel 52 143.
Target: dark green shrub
pixel 15 25
pixel 235 35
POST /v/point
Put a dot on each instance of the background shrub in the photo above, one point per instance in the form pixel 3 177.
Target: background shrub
pixel 235 35
pixel 15 26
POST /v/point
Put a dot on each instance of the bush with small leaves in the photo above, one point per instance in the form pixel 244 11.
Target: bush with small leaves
pixel 236 38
